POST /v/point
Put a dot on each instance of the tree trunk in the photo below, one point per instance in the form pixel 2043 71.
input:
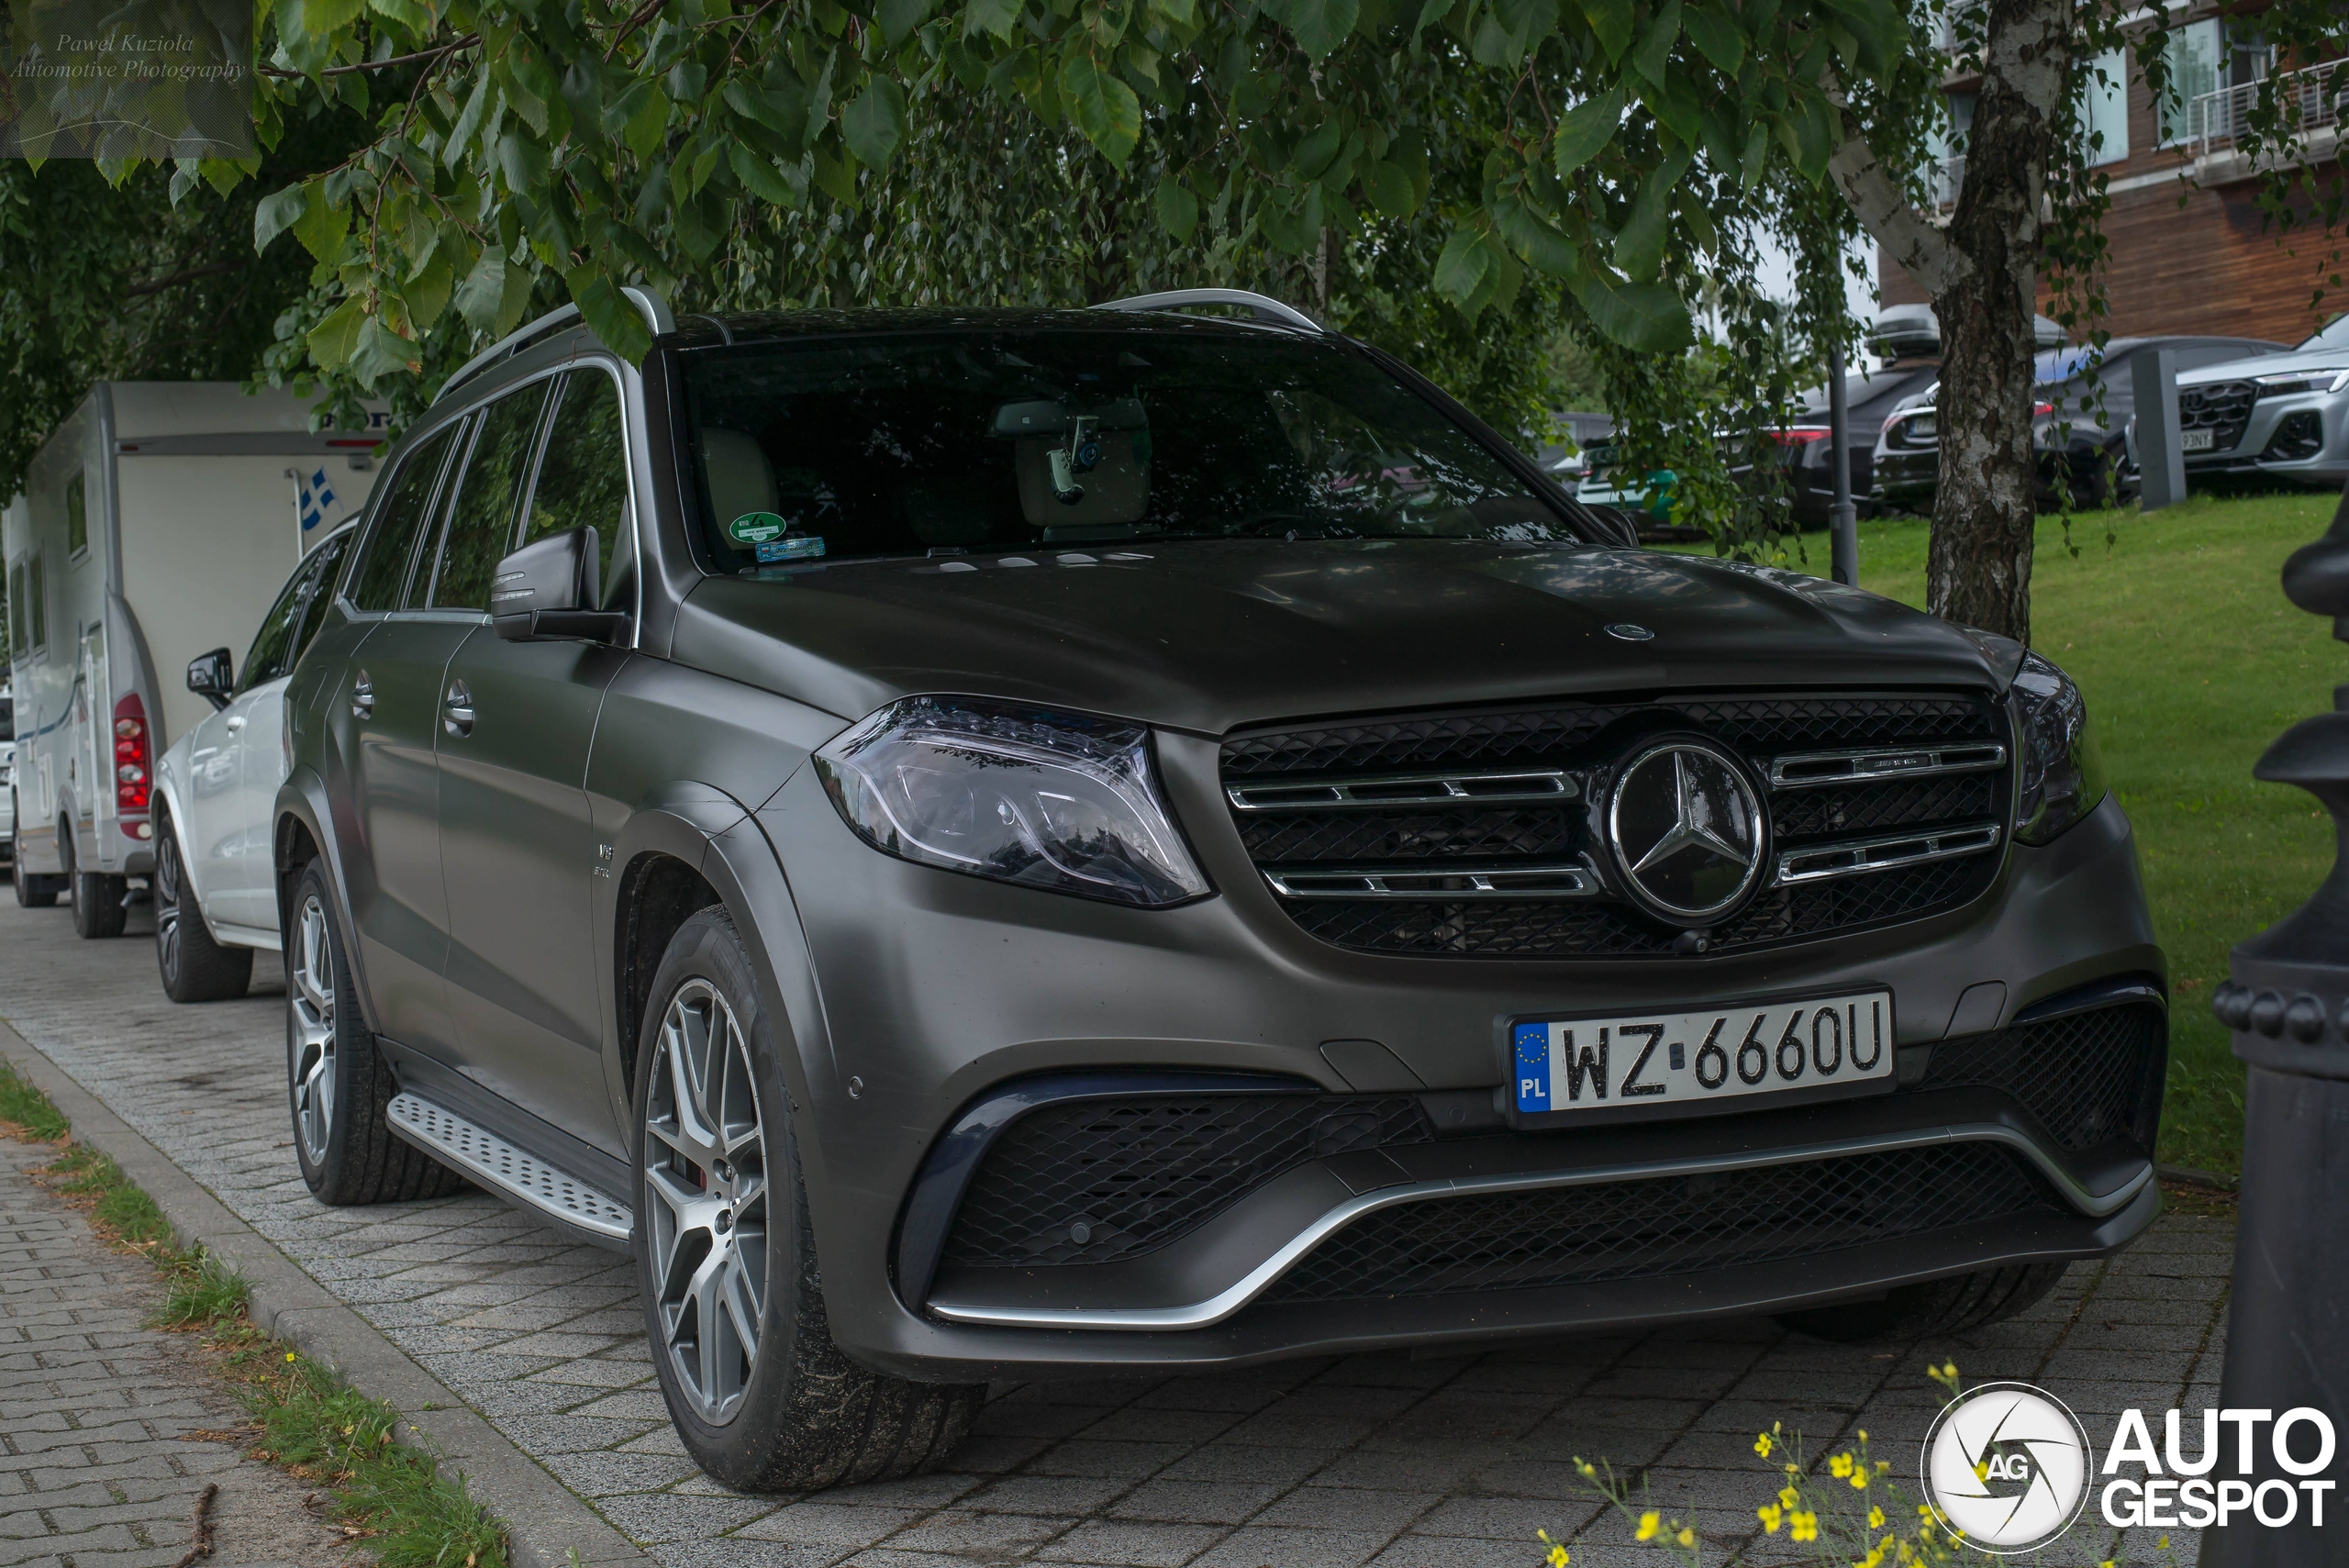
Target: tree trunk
pixel 1982 274
pixel 1977 572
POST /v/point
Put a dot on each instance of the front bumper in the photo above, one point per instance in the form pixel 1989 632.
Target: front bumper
pixel 2259 455
pixel 936 990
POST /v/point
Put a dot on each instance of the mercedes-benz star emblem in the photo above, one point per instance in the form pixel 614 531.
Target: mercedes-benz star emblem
pixel 1686 832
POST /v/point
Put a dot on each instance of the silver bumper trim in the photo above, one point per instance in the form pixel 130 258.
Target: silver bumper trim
pixel 1225 1303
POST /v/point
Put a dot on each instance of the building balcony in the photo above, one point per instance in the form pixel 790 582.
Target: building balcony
pixel 2313 100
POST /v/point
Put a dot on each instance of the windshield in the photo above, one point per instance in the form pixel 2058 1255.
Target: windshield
pixel 2334 336
pixel 7 720
pixel 947 441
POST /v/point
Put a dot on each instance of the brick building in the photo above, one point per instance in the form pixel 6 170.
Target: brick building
pixel 2191 249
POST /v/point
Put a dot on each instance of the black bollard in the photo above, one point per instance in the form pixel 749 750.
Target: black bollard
pixel 2288 1004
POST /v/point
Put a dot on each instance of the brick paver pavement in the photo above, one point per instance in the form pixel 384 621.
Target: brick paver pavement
pixel 1405 1461
pixel 98 1465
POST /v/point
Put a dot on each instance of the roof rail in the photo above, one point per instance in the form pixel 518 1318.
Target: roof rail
pixel 1260 305
pixel 650 305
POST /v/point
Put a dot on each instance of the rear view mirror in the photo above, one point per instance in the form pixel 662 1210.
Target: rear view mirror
pixel 547 591
pixel 212 677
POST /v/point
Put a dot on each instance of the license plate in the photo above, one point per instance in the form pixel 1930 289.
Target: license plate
pixel 1585 1063
pixel 2196 440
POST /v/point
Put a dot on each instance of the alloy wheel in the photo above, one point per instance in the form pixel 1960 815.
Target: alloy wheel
pixel 706 1200
pixel 311 999
pixel 167 904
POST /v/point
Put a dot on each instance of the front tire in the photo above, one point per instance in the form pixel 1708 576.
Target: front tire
pixel 97 897
pixel 1938 1306
pixel 340 1086
pixel 733 1301
pixel 194 968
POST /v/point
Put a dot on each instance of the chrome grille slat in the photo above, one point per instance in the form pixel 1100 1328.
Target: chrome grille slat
pixel 1805 770
pixel 1497 787
pixel 1859 857
pixel 1435 884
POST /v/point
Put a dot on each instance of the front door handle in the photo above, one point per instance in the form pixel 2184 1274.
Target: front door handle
pixel 236 721
pixel 457 710
pixel 362 697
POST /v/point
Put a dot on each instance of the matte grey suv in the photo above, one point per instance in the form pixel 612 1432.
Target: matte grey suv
pixel 1116 841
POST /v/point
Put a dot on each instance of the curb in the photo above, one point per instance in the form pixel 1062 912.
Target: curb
pixel 546 1525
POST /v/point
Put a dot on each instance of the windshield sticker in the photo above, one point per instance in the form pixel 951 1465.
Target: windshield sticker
pixel 757 528
pixel 800 549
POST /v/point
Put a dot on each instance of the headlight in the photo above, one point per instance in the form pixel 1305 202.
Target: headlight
pixel 2331 378
pixel 1043 799
pixel 2063 771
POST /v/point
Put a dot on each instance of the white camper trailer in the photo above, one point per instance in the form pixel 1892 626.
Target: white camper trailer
pixel 157 522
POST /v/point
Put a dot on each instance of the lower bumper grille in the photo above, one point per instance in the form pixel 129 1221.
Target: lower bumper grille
pixel 1658 1228
pixel 2089 1078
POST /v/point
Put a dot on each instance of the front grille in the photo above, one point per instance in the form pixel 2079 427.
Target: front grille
pixel 1665 1226
pixel 2222 406
pixel 1093 1181
pixel 1285 828
pixel 2088 1078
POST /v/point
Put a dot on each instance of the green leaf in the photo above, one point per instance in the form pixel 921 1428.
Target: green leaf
pixel 523 160
pixel 1463 268
pixel 995 17
pixel 1649 318
pixel 323 224
pixel 276 213
pixel 1105 108
pixel 1585 130
pixel 332 341
pixel 380 352
pixel 1655 53
pixel 428 292
pixel 1611 23
pixel 1677 108
pixel 1536 238
pixel 320 17
pixel 898 17
pixel 417 20
pixel 1814 138
pixel 1717 38
pixel 482 296
pixel 1178 210
pixel 1389 188
pixel 647 123
pixel 763 179
pixel 608 313
pixel 1639 248
pixel 1320 26
pixel 873 125
pixel 514 300
pixel 461 135
pixel 1315 152
pixel 1757 149
pixel 1528 21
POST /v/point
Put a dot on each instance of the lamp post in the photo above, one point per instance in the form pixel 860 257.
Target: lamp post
pixel 1843 519
pixel 2288 1006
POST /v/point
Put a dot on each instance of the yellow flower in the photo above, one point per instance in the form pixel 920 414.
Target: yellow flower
pixel 2108 1562
pixel 289 1355
pixel 1651 1523
pixel 1864 1434
pixel 2161 1542
pixel 1789 1498
pixel 1771 1517
pixel 1876 1518
pixel 1586 1469
pixel 1687 1536
pixel 1761 1445
pixel 1840 1466
pixel 1557 1557
pixel 1806 1526
pixel 1859 1478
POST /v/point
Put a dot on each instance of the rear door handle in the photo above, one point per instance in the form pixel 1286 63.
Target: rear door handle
pixel 362 697
pixel 457 711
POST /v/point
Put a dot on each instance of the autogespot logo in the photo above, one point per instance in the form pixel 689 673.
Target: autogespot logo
pixel 2008 1467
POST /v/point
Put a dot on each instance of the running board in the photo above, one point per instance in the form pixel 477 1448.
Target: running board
pixel 508 1170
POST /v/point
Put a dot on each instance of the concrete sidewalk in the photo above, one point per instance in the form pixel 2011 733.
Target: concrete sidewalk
pixel 1447 1463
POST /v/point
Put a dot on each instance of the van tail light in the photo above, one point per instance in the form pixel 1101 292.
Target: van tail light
pixel 134 765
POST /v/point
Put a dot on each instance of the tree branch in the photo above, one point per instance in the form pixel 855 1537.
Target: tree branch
pixel 1920 247
pixel 436 52
pixel 186 275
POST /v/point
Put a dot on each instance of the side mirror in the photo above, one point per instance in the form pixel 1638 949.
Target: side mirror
pixel 547 591
pixel 211 677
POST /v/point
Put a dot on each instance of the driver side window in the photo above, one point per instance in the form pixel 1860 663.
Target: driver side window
pixel 272 654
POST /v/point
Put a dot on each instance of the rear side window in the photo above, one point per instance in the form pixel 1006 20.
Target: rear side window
pixel 17 626
pixel 383 571
pixel 583 478
pixel 480 525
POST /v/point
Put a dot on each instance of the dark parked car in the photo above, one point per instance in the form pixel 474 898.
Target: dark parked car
pixel 2095 397
pixel 1104 843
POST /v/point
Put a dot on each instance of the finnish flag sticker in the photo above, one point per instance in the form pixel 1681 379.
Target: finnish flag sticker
pixel 1532 1055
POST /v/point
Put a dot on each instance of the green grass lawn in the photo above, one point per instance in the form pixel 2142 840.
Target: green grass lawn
pixel 2192 661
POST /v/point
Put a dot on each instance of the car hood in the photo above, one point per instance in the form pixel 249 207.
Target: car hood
pixel 1214 635
pixel 2268 364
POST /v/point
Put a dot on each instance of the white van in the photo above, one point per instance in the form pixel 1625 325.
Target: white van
pixel 155 516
